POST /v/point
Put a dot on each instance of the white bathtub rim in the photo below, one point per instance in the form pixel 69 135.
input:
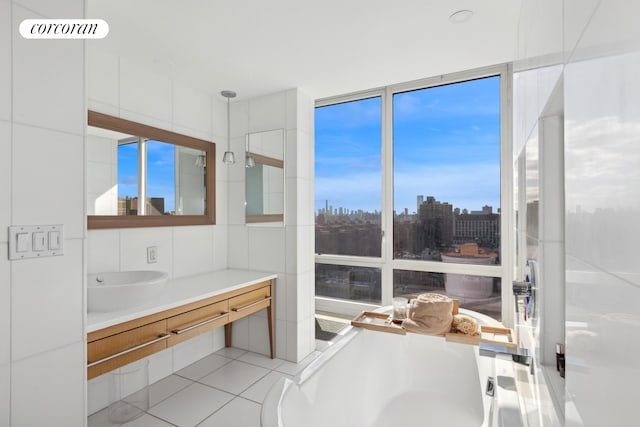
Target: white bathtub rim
pixel 273 402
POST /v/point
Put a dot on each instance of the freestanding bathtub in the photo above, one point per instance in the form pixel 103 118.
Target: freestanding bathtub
pixel 376 379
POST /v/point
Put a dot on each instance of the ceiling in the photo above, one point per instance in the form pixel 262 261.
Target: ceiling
pixel 323 47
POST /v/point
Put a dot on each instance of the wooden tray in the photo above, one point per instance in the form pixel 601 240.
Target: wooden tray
pixel 377 322
pixel 488 334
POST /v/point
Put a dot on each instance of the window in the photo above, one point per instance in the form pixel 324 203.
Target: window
pixel 410 181
pixel 348 179
pixel 348 199
pixel 446 158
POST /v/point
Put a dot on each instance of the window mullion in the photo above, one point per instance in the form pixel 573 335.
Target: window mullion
pixel 142 176
pixel 387 197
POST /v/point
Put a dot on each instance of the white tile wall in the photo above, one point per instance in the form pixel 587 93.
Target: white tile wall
pixel 160 366
pixel 52 288
pixel 41 102
pixel 267 249
pixel 103 81
pixel 57 401
pixel 49 10
pixel 44 192
pixel 239 119
pixel 192 111
pixel 5 309
pixel 222 191
pixel 5 177
pixel 5 393
pixel 281 297
pixel 238 246
pixel 219 123
pixel 268 112
pixel 103 251
pixel 5 65
pixel 144 92
pixel 193 250
pixel 281 339
pixel 220 251
pixel 240 336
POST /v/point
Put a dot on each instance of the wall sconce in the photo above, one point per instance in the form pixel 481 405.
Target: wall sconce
pixel 229 158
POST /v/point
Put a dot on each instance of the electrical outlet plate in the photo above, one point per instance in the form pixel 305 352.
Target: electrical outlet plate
pixel 152 254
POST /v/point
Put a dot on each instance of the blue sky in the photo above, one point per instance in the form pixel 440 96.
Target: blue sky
pixel 446 144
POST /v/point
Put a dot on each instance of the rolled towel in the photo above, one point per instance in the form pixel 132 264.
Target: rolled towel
pixel 429 314
pixel 465 324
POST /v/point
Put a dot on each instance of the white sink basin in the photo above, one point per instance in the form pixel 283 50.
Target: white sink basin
pixel 117 291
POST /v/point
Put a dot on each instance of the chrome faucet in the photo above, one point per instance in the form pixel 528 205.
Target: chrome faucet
pixel 518 354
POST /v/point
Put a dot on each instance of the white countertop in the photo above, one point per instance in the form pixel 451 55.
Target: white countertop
pixel 180 291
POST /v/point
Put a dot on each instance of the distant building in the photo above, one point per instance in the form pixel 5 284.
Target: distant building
pixel 436 219
pixel 481 228
pixel 419 201
pixel 129 206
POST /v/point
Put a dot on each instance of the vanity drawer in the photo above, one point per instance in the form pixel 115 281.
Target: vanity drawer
pixel 191 323
pixel 112 352
pixel 248 303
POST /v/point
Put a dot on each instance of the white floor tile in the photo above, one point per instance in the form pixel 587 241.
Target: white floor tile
pixel 178 400
pixel 261 360
pixel 101 419
pixel 237 413
pixel 258 391
pixel 235 377
pixel 191 405
pixel 322 345
pixel 162 389
pixel 231 352
pixel 203 367
pixel 292 368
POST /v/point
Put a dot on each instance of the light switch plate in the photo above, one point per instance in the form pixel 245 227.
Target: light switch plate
pixel 35 241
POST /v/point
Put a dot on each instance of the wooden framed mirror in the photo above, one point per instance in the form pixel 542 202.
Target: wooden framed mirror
pixel 265 179
pixel 128 162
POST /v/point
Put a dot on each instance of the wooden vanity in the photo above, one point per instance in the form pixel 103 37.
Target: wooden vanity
pixel 185 308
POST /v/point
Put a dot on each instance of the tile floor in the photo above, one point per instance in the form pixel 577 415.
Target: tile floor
pixel 223 389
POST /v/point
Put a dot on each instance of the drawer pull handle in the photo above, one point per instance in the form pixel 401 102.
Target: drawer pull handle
pixel 239 309
pixel 197 325
pixel 129 350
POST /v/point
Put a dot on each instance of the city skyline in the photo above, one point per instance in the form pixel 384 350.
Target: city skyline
pixel 341 210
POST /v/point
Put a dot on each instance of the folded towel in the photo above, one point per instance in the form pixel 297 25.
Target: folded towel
pixel 429 314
